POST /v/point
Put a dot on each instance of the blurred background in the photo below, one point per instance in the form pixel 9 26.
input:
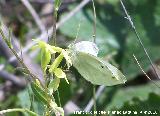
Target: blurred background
pixel 33 19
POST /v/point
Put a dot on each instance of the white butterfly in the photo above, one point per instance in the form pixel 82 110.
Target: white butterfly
pixel 92 68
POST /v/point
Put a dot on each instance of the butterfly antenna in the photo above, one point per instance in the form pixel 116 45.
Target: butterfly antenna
pixel 94 24
pixel 78 29
pixel 138 37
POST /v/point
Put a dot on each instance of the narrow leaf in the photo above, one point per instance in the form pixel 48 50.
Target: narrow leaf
pixel 60 74
pixel 56 63
pixel 45 58
pixel 53 85
pixel 57 49
pixel 43 45
pixel 39 92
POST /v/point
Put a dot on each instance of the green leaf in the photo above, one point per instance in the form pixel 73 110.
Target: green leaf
pixel 44 45
pixel 53 85
pixel 69 90
pixel 45 58
pixel 24 95
pixel 39 92
pixel 56 49
pixel 60 74
pixel 143 107
pixel 29 102
pixel 124 95
pixel 56 63
pixel 46 51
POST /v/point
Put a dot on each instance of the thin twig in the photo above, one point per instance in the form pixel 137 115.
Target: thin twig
pixel 94 99
pixel 144 71
pixel 34 14
pixel 138 37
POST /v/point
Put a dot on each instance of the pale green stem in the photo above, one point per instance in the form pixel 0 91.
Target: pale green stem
pixel 18 110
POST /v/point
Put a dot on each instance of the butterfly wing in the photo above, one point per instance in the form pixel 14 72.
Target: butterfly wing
pixel 96 70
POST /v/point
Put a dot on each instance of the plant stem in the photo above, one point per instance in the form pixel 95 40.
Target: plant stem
pixel 55 42
pixel 94 40
pixel 18 110
pixel 94 98
pixel 138 37
pixel 18 58
pixel 59 100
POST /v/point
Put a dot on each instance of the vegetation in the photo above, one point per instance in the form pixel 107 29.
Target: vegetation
pixel 127 38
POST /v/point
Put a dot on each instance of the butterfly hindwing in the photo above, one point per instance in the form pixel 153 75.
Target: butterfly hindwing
pixel 96 70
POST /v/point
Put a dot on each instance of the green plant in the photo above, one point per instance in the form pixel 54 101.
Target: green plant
pixel 112 35
pixel 52 72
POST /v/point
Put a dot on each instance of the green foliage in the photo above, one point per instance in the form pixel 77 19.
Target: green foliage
pixel 56 63
pixel 105 39
pixel 127 95
pixel 113 34
pixel 150 105
pixel 46 52
pixel 54 84
pixel 44 93
pixel 39 92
